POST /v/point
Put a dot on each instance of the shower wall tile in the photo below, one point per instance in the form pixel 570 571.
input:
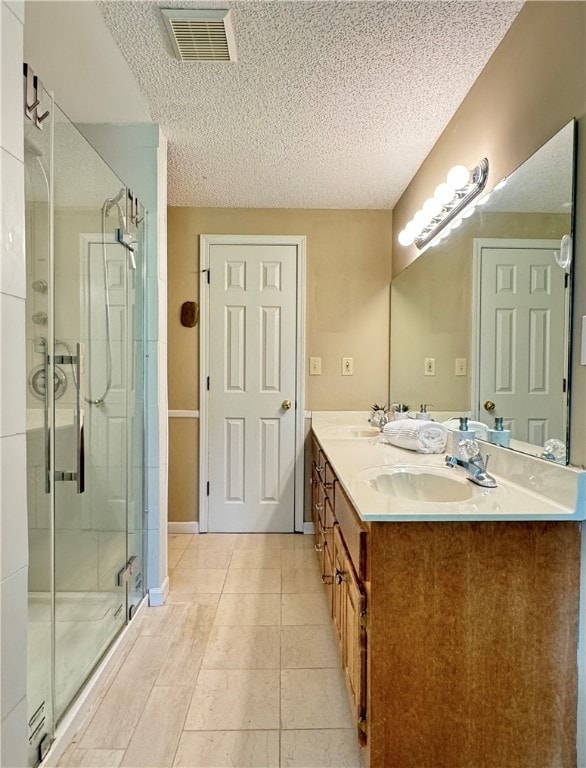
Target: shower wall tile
pixel 14 737
pixel 11 52
pixel 13 263
pixel 17 8
pixel 12 366
pixel 13 504
pixel 13 641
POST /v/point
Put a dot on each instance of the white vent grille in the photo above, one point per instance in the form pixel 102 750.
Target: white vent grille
pixel 201 35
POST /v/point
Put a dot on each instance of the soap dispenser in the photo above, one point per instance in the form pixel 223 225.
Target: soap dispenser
pixel 498 435
pixel 462 433
pixel 423 413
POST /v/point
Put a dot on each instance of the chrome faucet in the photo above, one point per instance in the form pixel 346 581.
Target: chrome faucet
pixel 472 461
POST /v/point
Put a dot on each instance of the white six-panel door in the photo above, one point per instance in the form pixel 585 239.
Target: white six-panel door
pixel 252 380
pixel 522 339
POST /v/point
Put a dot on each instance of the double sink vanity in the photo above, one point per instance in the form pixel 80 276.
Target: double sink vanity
pixel 455 606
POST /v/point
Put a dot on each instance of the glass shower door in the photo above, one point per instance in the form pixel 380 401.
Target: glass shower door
pixel 37 154
pixel 90 437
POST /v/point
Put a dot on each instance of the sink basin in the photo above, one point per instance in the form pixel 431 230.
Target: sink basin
pixel 350 432
pixel 418 483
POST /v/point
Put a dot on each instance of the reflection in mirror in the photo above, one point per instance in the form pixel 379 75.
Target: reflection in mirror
pixel 491 305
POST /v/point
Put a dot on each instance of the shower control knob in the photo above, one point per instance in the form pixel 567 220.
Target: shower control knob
pixel 40 318
pixel 40 286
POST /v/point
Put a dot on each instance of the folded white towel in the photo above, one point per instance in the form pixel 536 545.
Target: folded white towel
pixel 416 435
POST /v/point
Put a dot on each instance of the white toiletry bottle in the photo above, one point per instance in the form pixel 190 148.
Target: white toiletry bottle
pixel 462 433
pixel 498 435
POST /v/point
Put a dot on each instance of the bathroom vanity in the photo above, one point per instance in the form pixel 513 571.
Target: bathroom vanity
pixel 457 620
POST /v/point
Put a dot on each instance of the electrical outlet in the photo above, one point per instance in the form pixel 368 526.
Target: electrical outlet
pixel 347 366
pixel 429 366
pixel 315 366
pixel 460 366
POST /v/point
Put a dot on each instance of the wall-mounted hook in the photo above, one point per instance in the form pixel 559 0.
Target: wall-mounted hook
pixel 33 93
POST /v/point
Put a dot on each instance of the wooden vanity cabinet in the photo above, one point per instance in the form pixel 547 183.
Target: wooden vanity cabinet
pixel 458 640
pixel 340 566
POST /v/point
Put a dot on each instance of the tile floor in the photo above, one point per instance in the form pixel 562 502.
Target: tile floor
pixel 239 668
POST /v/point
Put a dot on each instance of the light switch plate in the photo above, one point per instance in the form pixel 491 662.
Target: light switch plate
pixel 460 366
pixel 315 366
pixel 429 366
pixel 347 366
pixel 583 348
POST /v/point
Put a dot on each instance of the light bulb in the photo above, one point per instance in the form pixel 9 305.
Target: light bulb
pixel 458 176
pixel 434 242
pixel 456 223
pixel 406 238
pixel 421 219
pixel 412 228
pixel 432 207
pixel 483 200
pixel 444 193
pixel 501 184
pixel 468 212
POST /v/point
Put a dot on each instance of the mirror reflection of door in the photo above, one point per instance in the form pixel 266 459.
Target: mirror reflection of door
pixel 521 336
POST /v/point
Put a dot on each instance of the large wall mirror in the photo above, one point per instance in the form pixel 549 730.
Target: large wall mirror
pixel 491 306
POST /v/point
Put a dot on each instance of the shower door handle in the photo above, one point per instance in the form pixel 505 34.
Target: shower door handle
pixel 80 418
pixel 47 426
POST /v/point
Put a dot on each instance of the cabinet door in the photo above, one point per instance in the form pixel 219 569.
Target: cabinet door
pixel 339 593
pixel 349 610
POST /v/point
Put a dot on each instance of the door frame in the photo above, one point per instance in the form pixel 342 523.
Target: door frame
pixel 205 241
pixel 497 242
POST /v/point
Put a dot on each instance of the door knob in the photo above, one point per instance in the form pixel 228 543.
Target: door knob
pixel 286 404
pixel 489 406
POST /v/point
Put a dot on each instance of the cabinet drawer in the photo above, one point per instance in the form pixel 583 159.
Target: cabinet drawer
pixel 352 530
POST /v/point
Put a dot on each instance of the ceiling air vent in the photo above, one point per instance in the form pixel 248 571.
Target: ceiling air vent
pixel 201 35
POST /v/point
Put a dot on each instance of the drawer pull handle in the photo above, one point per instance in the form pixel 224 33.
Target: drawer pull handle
pixel 319 468
pixel 326 579
pixel 318 548
pixel 328 486
pixel 319 506
pixel 340 577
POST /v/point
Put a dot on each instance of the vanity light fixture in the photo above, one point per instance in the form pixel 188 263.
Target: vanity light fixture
pixel 451 202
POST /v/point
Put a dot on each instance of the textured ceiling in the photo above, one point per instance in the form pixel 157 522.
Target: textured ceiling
pixel 330 104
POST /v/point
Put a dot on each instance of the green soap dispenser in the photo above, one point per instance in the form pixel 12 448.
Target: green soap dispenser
pixel 498 435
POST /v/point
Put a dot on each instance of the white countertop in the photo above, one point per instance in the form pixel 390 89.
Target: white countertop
pixel 528 488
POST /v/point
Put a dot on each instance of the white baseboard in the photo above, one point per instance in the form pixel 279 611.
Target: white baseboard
pixel 74 717
pixel 182 527
pixel 158 595
pixel 308 528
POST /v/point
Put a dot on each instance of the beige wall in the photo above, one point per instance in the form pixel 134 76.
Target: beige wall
pixel 533 85
pixel 347 313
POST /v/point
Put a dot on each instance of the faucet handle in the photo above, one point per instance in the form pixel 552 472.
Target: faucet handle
pixel 468 449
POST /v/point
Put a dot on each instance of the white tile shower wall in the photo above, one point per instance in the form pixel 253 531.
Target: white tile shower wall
pixel 13 587
pixel 11 37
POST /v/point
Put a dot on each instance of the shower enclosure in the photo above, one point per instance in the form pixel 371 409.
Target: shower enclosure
pixel 85 413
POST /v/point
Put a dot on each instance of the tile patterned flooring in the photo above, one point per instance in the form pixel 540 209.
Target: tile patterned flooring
pixel 239 669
